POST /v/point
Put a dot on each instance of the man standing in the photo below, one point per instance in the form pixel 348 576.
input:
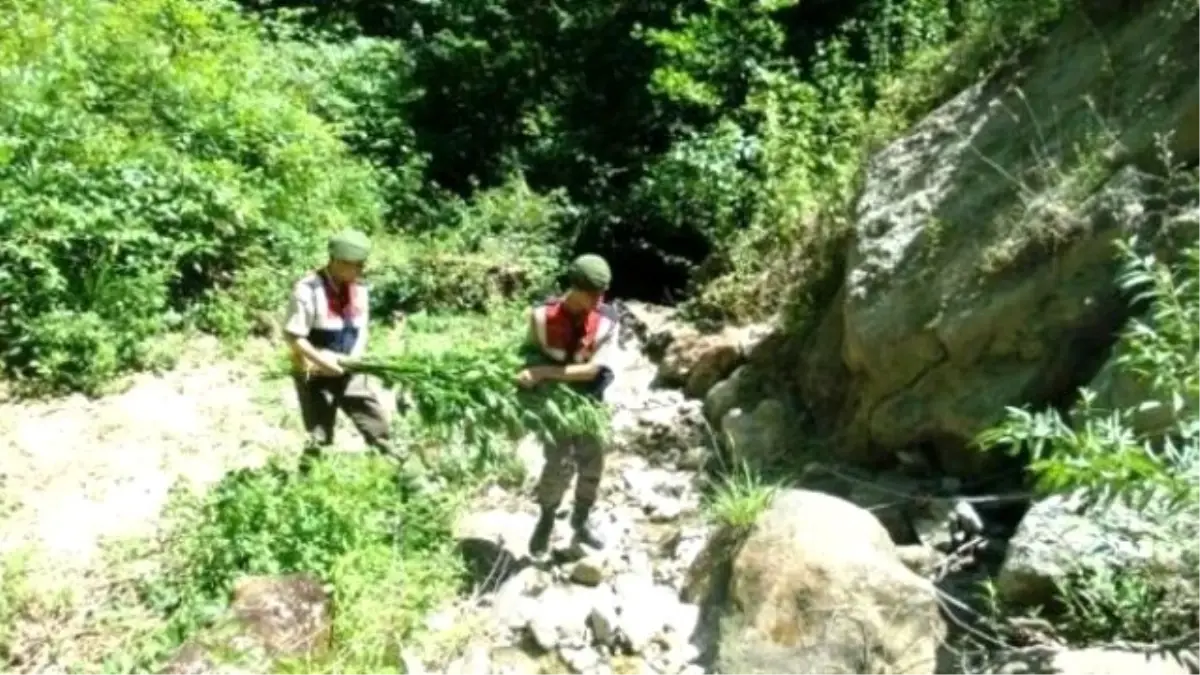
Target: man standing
pixel 326 329
pixel 571 340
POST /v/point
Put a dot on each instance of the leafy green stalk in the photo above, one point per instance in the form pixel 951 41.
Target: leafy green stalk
pixel 473 392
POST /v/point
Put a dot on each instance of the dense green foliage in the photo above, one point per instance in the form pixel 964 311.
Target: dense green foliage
pixel 388 558
pixel 151 153
pixel 171 163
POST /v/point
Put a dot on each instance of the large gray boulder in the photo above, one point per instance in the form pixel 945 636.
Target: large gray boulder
pixel 814 585
pixel 982 271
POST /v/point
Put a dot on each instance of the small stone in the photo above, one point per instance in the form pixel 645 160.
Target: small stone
pixel 589 571
pixel 918 558
pixel 544 632
pixel 693 459
pixel 967 518
pixel 603 623
pixel 665 510
pixel 580 660
pixel 692 669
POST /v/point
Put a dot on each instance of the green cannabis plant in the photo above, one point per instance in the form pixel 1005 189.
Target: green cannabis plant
pixel 471 392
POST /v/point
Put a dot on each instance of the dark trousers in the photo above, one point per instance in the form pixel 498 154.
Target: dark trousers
pixel 322 397
pixel 581 458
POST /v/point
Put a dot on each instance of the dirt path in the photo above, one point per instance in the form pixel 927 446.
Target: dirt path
pixel 77 471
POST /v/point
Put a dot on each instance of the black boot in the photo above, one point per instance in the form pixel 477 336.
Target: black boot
pixel 539 543
pixel 308 458
pixel 584 533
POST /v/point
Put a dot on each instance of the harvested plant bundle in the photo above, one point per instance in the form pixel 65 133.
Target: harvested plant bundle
pixel 472 391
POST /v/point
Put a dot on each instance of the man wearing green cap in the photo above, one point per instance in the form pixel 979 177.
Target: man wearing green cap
pixel 327 328
pixel 572 339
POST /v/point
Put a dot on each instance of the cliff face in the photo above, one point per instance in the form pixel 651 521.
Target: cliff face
pixel 982 268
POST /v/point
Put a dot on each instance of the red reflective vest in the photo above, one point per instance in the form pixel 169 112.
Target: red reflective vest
pixel 568 339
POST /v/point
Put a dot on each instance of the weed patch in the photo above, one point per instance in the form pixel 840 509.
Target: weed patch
pixel 739 497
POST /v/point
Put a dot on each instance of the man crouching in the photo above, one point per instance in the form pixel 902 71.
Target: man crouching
pixel 573 337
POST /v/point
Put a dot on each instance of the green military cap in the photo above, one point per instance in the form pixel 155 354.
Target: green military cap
pixel 349 245
pixel 590 272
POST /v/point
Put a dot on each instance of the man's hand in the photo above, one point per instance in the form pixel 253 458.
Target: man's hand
pixel 329 363
pixel 527 378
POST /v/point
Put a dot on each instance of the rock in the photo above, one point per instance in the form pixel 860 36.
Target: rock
pixel 658 492
pixel 271 617
pixel 693 459
pixel 918 558
pixel 698 361
pixel 981 272
pixel 603 623
pixel 680 622
pixel 495 544
pixel 513 661
pixel 290 616
pixel 653 326
pixel 475 661
pixel 1059 536
pixel 816 586
pixel 514 603
pixel 665 510
pixel 666 428
pixel 560 616
pixel 759 436
pixel 967 519
pixel 730 393
pixel 590 571
pixel 1094 661
pixel 643 609
pixel 579 659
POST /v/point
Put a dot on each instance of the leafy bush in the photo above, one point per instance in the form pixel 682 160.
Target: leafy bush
pixel 812 124
pixel 364 89
pixel 155 157
pixel 346 522
pixel 502 245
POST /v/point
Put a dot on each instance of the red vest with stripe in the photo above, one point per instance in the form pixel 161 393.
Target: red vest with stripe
pixel 574 336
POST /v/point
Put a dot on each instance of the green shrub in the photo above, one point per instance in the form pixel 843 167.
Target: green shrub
pixel 364 89
pixel 811 126
pixel 154 157
pixel 502 245
pixel 346 522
